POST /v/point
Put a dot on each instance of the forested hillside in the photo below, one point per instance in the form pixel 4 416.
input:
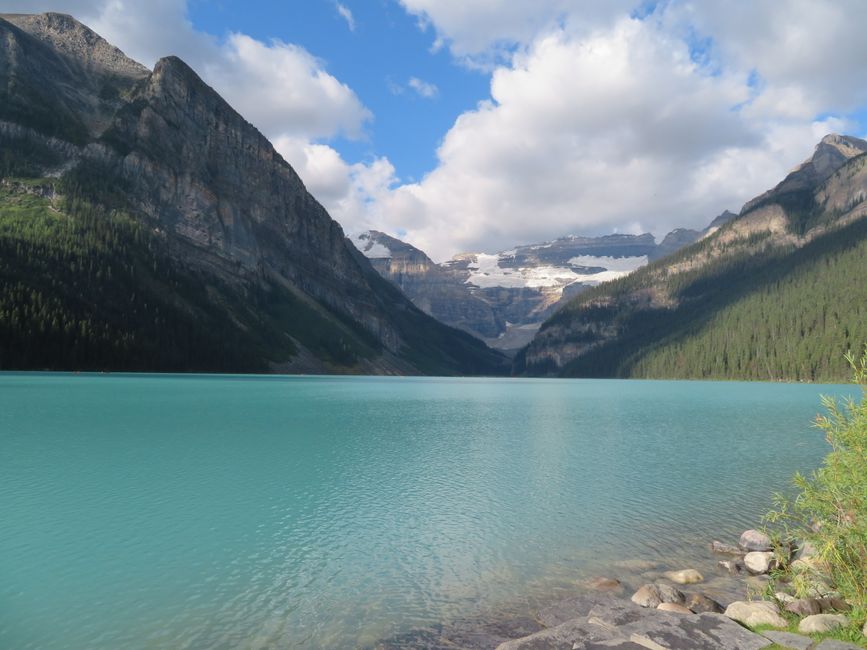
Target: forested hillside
pixel 146 225
pixel 780 293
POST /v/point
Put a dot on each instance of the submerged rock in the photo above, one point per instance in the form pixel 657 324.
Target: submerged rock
pixel 733 567
pixel 759 612
pixel 728 549
pixel 818 623
pixel 601 583
pixel 753 540
pixel 684 576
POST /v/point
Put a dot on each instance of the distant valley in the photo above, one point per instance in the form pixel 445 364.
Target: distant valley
pixel 503 298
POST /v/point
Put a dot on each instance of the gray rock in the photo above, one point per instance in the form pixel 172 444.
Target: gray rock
pixel 758 562
pixel 759 612
pixel 674 607
pixel 647 596
pixel 670 594
pixel 565 636
pixel 804 607
pixel 727 549
pixel 834 644
pixel 864 629
pixel 733 567
pixel 684 576
pixel 834 604
pixel 784 598
pixel 753 540
pixel 623 625
pixel 806 550
pixel 818 623
pixel 699 603
pixel 789 640
pixel 574 607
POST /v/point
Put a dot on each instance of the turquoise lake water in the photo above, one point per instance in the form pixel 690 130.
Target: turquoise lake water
pixel 267 512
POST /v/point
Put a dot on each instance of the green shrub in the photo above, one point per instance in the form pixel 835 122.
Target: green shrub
pixel 829 509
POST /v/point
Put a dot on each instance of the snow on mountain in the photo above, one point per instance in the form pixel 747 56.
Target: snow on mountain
pixel 369 246
pixel 486 271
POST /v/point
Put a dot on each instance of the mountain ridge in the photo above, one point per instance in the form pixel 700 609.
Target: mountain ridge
pixel 167 150
pixel 641 325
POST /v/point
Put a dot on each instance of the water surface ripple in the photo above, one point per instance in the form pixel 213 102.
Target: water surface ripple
pixel 265 512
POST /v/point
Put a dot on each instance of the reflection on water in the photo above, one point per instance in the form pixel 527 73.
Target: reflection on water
pixel 192 512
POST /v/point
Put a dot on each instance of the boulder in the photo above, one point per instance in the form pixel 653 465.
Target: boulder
pixel 647 596
pixel 783 597
pixel 834 644
pixel 864 629
pixel 759 612
pixel 673 607
pixel 804 607
pixel 753 540
pixel 684 576
pixel 834 604
pixel 699 603
pixel 758 562
pixel 728 549
pixel 789 640
pixel 670 594
pixel 819 623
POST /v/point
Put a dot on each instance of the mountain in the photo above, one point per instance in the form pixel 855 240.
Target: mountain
pixel 776 293
pixel 503 298
pixel 145 225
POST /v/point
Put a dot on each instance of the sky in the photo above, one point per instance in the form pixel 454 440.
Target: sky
pixel 478 125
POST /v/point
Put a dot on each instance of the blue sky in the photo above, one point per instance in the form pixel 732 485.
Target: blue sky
pixel 377 59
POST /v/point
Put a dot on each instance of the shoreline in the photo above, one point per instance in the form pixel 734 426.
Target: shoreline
pixel 611 611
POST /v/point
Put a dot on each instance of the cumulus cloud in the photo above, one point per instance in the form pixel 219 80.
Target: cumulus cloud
pixel 623 127
pixel 483 32
pixel 284 90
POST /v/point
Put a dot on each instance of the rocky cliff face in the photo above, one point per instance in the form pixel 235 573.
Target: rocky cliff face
pixel 201 178
pixel 610 329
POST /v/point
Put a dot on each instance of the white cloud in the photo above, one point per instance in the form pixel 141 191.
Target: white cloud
pixel 620 128
pixel 483 31
pixel 346 14
pixel 284 90
pixel 423 88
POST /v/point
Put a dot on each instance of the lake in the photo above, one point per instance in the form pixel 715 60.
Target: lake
pixel 190 511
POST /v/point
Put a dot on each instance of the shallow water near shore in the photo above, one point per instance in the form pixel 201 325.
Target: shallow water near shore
pixel 182 511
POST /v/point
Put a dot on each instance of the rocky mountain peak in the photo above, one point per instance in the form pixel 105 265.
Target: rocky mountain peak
pixel 78 42
pixel 831 153
pixel 834 150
